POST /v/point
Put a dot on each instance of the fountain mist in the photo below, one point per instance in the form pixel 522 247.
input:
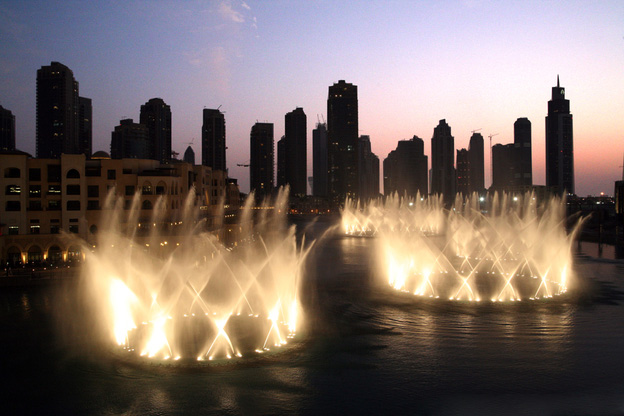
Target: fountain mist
pixel 181 293
pixel 501 249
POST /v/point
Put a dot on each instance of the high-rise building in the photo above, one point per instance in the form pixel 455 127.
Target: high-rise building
pixel 281 162
pixel 319 159
pixel 503 166
pixel 7 129
pixel 405 169
pixel 477 163
pixel 368 170
pixel 523 175
pixel 559 143
pixel 213 139
pixel 85 126
pixel 342 133
pixel 189 155
pixel 464 181
pixel 130 140
pixel 296 154
pixel 261 159
pixel 57 111
pixel 442 162
pixel 156 116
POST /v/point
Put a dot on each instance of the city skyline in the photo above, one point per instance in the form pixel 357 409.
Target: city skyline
pixel 485 67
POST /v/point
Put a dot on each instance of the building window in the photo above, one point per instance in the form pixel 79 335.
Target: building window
pixel 91 205
pixel 73 205
pixel 54 205
pixel 93 191
pixel 54 190
pixel 73 228
pixel 34 191
pixel 146 205
pixel 112 174
pixel 129 190
pixel 35 228
pixel 160 190
pixel 12 173
pixel 147 189
pixel 93 229
pixel 13 206
pixel 13 190
pixel 54 173
pixel 34 174
pixel 35 205
pixel 55 229
pixel 73 174
pixel 93 171
pixel 73 189
pixel 13 230
pixel 127 171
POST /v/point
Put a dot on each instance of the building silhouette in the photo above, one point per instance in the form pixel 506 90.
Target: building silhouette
pixel 57 112
pixel 368 170
pixel 405 169
pixel 261 159
pixel 281 162
pixel 7 129
pixel 213 139
pixel 319 160
pixel 130 140
pixel 477 164
pixel 85 126
pixel 295 151
pixel 442 162
pixel 559 143
pixel 189 155
pixel 342 133
pixel 523 175
pixel 463 171
pixel 503 167
pixel 156 116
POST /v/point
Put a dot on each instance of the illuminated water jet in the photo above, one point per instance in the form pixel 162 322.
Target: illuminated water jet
pixel 502 248
pixel 185 295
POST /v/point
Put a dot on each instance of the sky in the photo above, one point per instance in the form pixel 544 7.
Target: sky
pixel 477 64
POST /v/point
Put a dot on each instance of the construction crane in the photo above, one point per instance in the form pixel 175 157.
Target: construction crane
pixel 474 131
pixel 243 165
pixel 491 158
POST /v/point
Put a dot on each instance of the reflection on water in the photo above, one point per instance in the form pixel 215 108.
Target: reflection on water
pixel 602 251
pixel 368 350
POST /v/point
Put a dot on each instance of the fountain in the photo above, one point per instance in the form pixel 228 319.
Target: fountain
pixel 505 248
pixel 181 294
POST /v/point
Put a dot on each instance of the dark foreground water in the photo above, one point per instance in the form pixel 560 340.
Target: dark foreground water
pixel 367 350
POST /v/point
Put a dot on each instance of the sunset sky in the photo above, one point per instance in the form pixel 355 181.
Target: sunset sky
pixel 477 64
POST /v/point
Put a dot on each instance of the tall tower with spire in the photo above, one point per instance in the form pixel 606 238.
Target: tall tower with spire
pixel 559 143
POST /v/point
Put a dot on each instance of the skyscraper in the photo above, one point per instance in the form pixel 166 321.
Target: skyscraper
pixel 559 143
pixel 213 139
pixel 405 169
pixel 319 159
pixel 464 181
pixel 85 126
pixel 156 116
pixel 281 162
pixel 57 111
pixel 296 155
pixel 261 159
pixel 342 132
pixel 523 174
pixel 503 166
pixel 442 162
pixel 130 140
pixel 477 163
pixel 189 155
pixel 368 170
pixel 7 129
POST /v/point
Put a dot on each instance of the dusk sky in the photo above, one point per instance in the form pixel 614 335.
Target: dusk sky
pixel 477 64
